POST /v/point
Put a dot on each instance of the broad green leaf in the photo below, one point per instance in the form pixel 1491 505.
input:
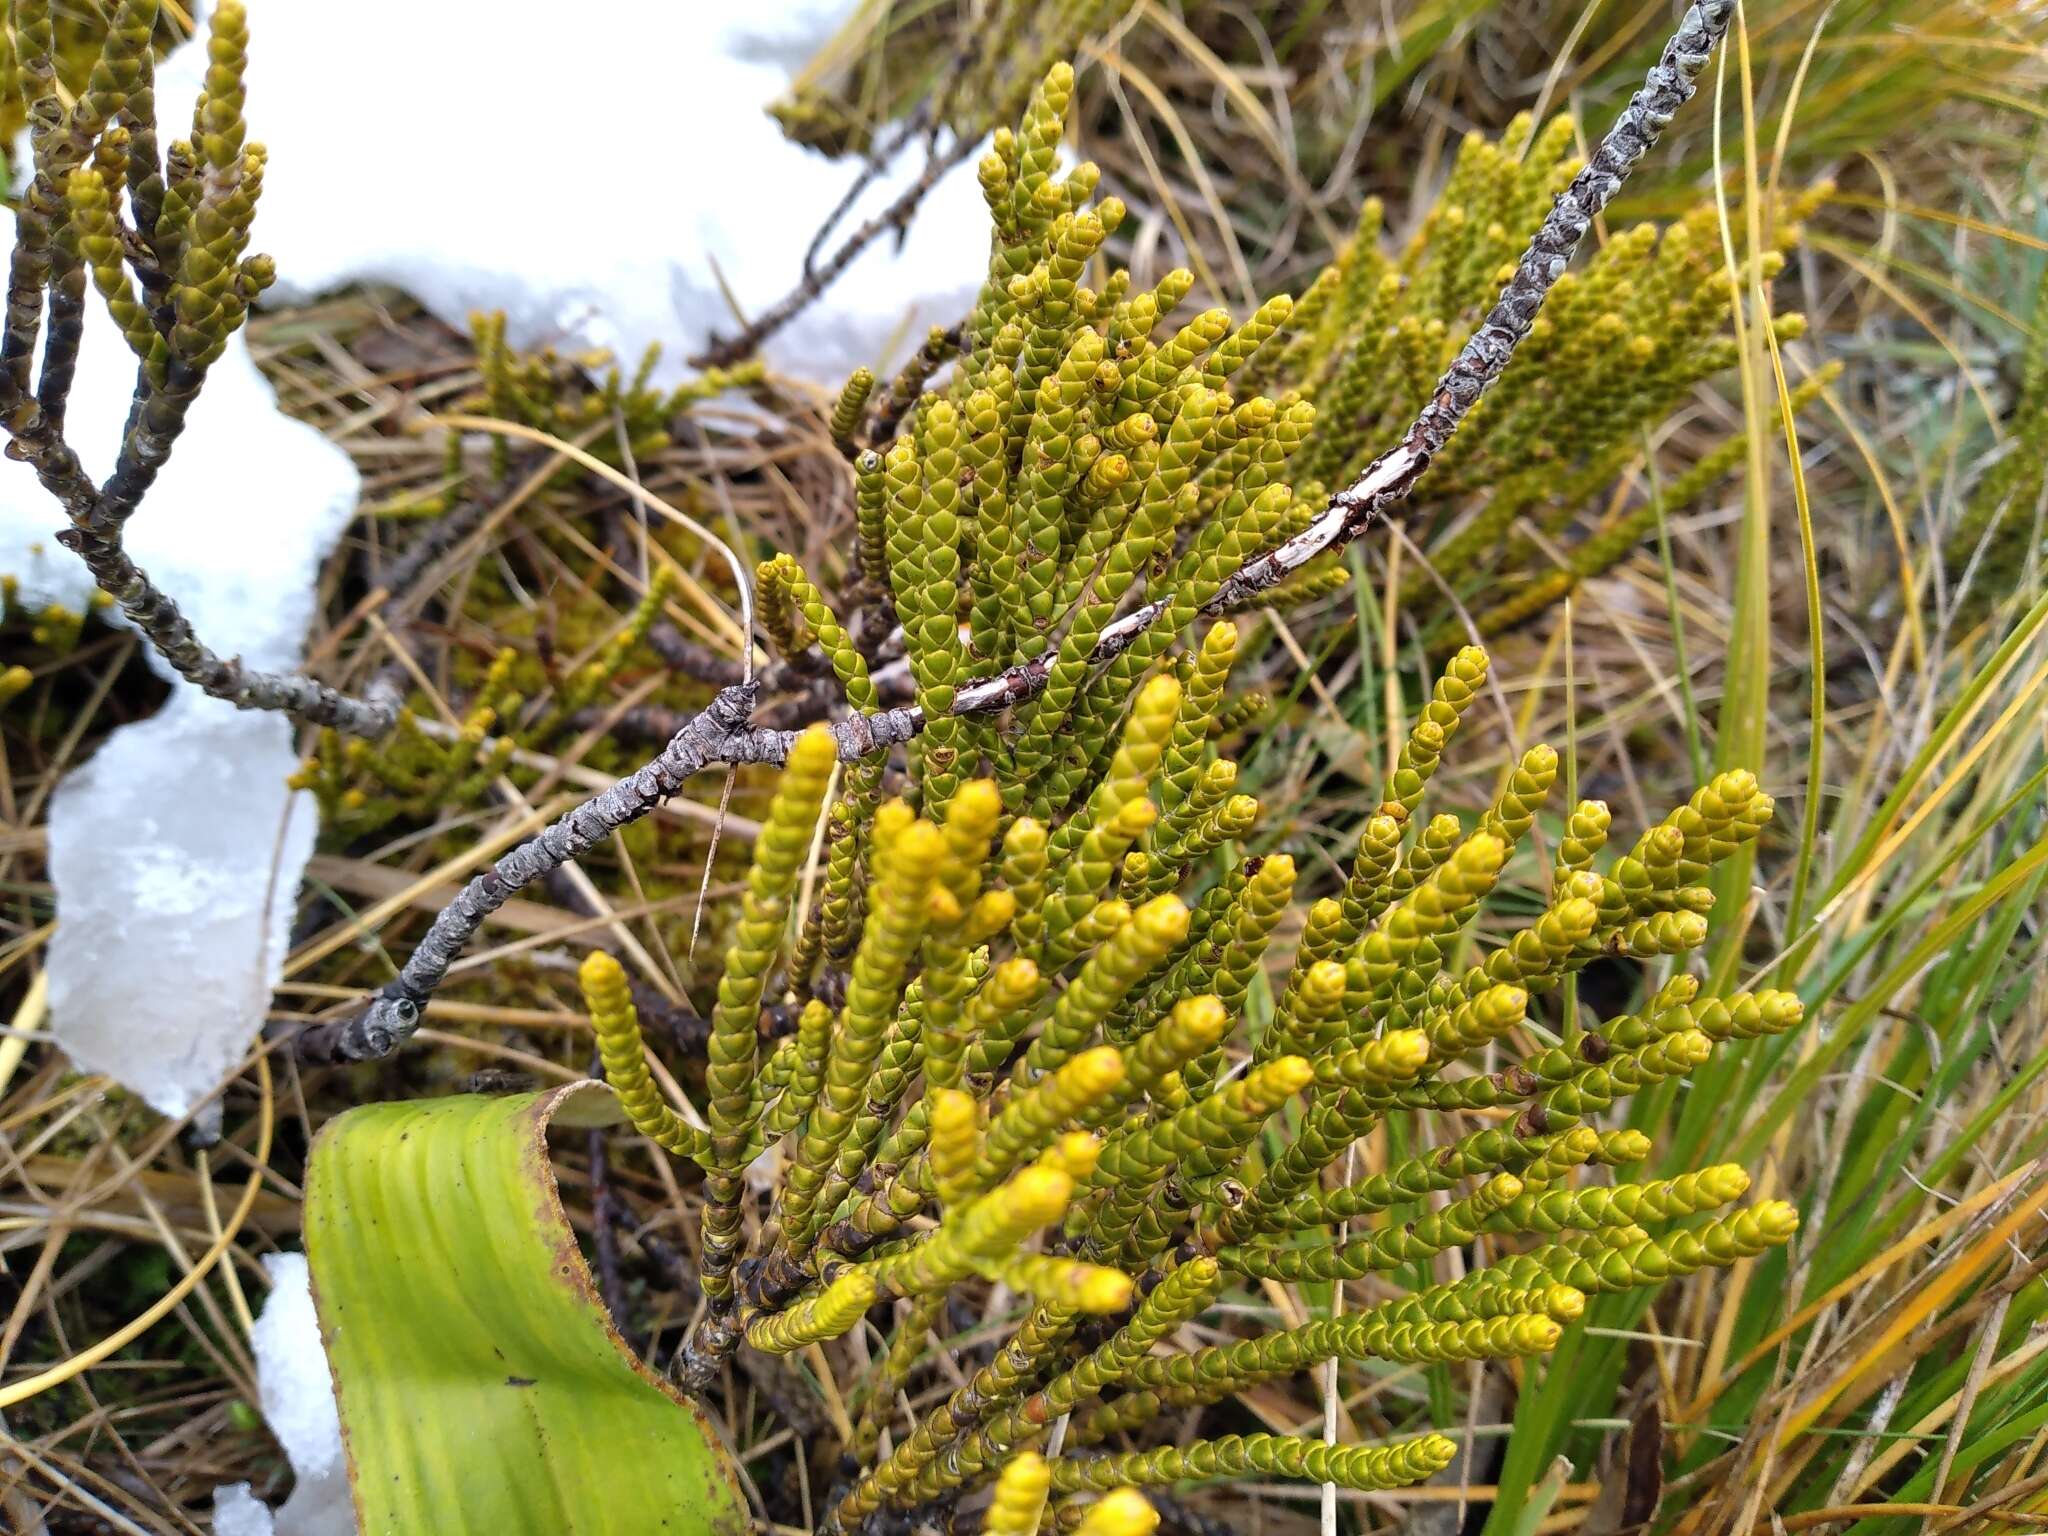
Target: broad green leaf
pixel 482 1386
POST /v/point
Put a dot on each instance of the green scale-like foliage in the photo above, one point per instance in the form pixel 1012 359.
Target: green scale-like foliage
pixel 1032 944
pixel 1026 986
pixel 1619 345
pixel 1087 1144
pixel 589 399
pixel 889 61
pixel 1087 453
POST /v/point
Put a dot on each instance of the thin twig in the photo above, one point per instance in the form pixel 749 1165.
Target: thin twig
pixel 159 618
pixel 872 167
pixel 723 354
pixel 724 735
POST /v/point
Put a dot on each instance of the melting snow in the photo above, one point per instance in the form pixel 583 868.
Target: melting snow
pixel 298 1402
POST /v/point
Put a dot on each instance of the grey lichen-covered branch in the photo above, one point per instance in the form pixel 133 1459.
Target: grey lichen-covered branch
pixel 724 735
pixel 171 267
pixel 720 734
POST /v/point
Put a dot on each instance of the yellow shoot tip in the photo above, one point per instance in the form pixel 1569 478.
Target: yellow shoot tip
pixel 1123 1512
pixel 1037 1196
pixel 1407 1050
pixel 1104 1291
pixel 1290 1074
pixel 1777 1219
pixel 1580 1142
pixel 1161 693
pixel 600 970
pixel 977 802
pixel 1482 851
pixel 952 1109
pixel 1163 917
pixel 991 913
pixel 1203 1018
pixel 1725 1181
pixel 1097 1070
pixel 814 751
pixel 1134 818
pixel 1325 978
pixel 913 848
pixel 1019 1502
pixel 1564 1303
pixel 1075 1154
pixel 892 820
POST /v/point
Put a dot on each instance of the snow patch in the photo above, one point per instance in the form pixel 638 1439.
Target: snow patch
pixel 298 1403
pixel 176 851
pixel 238 1512
pixel 598 173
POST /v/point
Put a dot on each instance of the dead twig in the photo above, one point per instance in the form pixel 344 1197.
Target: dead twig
pixel 816 279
